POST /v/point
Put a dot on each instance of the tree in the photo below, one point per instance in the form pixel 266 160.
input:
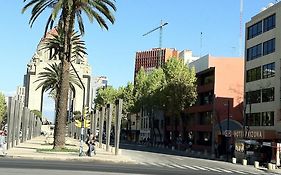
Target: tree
pixel 180 90
pixel 105 96
pixel 37 113
pixel 49 80
pixel 69 11
pixel 3 109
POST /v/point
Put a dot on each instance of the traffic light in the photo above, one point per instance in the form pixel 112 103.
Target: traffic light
pixel 86 112
pixel 78 123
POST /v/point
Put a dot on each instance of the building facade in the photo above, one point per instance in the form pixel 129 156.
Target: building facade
pixel 262 76
pixel 150 59
pixel 218 106
pixel 42 60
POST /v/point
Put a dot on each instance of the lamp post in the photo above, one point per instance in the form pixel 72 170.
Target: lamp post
pixel 82 118
pixel 227 151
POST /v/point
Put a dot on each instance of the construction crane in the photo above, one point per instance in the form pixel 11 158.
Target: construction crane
pixel 160 40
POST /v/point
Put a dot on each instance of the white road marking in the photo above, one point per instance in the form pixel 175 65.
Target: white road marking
pixel 213 169
pixel 190 167
pixel 201 168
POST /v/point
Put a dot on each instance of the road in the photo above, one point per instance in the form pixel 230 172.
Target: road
pixel 145 163
pixel 147 157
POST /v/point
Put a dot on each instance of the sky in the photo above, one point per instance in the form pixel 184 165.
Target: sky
pixel 111 53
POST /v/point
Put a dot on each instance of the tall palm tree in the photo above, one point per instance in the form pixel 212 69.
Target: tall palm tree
pixel 69 11
pixel 49 80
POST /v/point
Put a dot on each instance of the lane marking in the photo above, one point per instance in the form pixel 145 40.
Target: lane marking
pixel 213 169
pixel 201 168
pixel 190 167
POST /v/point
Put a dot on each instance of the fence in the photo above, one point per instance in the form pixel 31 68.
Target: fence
pixel 22 123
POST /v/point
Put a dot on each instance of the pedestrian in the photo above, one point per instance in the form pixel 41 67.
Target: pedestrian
pixel 91 144
pixel 3 144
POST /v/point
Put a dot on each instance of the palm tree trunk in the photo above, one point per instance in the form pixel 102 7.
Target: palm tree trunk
pixel 61 114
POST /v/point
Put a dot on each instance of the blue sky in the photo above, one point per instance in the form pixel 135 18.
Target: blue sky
pixel 111 53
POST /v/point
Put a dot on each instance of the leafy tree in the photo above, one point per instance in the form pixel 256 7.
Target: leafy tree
pixel 68 13
pixel 105 96
pixel 180 90
pixel 3 109
pixel 37 113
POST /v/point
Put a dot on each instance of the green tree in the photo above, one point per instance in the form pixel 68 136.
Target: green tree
pixel 49 80
pixel 68 13
pixel 180 90
pixel 37 113
pixel 105 96
pixel 3 109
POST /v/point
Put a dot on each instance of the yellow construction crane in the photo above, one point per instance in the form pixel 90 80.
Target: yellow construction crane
pixel 160 39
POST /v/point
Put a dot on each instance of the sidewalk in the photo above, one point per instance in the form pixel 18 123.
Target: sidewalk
pixel 28 150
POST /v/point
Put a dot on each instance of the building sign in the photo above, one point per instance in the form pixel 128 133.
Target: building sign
pixel 248 134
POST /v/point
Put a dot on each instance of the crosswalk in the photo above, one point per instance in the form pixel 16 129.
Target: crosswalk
pixel 201 168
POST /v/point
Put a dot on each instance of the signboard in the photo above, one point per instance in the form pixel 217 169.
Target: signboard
pixel 249 134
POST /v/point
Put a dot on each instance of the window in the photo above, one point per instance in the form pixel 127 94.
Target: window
pixel 269 46
pixel 206 98
pixel 268 118
pixel 254 30
pixel 253 97
pixel 253 74
pixel 268 94
pixel 253 119
pixel 254 52
pixel 269 23
pixel 268 70
pixel 205 118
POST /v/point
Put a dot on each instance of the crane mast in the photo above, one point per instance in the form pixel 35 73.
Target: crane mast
pixel 160 40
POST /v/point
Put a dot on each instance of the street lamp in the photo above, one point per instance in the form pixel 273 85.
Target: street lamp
pixel 82 119
pixel 228 131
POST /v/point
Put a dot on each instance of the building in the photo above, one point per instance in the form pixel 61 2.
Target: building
pixel 20 94
pixel 38 63
pixel 97 82
pixel 262 77
pixel 149 59
pixel 218 106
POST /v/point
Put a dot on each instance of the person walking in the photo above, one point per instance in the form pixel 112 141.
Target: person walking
pixel 90 143
pixel 3 144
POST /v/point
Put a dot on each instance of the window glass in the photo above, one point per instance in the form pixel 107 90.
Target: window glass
pixel 253 119
pixel 253 97
pixel 255 30
pixel 253 74
pixel 254 52
pixel 268 118
pixel 268 70
pixel 269 46
pixel 268 94
pixel 269 23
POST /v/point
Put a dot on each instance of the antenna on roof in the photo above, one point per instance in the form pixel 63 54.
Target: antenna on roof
pixel 201 43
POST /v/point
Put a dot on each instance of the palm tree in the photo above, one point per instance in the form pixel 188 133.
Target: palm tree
pixel 69 11
pixel 49 80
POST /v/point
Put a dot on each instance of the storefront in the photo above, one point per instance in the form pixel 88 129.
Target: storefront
pixel 256 145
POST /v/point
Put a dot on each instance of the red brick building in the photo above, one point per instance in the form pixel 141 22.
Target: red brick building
pixel 150 59
pixel 220 96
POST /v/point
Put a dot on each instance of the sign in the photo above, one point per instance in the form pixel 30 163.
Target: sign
pixel 227 133
pixel 249 134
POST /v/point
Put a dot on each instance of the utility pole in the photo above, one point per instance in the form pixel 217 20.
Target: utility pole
pixel 160 40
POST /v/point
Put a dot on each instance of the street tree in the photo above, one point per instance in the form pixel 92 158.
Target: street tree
pixel 3 109
pixel 67 13
pixel 105 96
pixel 180 89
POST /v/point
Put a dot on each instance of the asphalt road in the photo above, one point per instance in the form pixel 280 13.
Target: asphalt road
pixel 146 162
pixel 163 158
